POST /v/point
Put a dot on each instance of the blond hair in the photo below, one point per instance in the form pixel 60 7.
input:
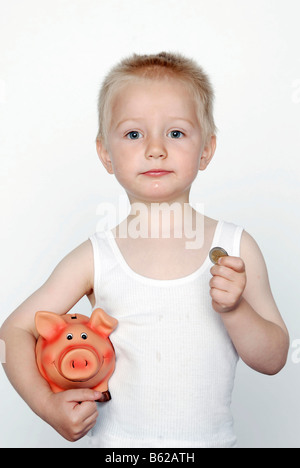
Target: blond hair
pixel 158 66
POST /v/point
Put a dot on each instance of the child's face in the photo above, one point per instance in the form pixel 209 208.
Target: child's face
pixel 154 143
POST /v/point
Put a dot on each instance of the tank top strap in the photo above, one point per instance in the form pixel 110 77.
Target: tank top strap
pixel 104 261
pixel 228 236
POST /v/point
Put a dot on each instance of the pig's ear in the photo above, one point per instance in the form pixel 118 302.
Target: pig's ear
pixel 102 323
pixel 49 324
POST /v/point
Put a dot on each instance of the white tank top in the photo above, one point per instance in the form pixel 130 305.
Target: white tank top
pixel 175 362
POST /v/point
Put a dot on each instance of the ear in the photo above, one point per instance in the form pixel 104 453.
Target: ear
pixel 102 323
pixel 49 324
pixel 208 152
pixel 104 156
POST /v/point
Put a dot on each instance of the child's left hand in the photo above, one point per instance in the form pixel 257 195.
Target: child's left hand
pixel 227 284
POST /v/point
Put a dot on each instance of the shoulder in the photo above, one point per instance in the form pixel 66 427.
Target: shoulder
pixel 80 256
pixel 251 253
pixel 77 267
pixel 256 269
pixel 70 280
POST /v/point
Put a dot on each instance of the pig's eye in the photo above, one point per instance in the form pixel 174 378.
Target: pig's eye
pixel 69 336
pixel 83 336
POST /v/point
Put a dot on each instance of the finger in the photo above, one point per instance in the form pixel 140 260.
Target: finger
pixel 217 295
pixel 224 272
pixel 235 263
pixel 88 407
pixel 82 431
pixel 221 298
pixel 218 282
pixel 86 411
pixel 85 430
pixel 82 394
pixel 91 419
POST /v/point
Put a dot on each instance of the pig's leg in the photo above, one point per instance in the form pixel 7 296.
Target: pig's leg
pixel 103 388
pixel 105 396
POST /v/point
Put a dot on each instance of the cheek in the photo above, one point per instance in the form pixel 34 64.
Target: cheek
pixel 190 166
pixel 121 168
pixel 125 164
pixel 119 156
pixel 48 358
pixel 188 155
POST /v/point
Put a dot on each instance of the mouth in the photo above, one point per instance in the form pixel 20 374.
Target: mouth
pixel 156 173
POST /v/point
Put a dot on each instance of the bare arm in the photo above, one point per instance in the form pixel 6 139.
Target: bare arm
pixel 69 282
pixel 242 295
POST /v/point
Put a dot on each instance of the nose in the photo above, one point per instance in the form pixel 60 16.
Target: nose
pixel 156 149
pixel 80 364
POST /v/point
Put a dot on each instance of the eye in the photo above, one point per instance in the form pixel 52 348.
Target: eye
pixel 175 134
pixel 84 336
pixel 69 336
pixel 134 135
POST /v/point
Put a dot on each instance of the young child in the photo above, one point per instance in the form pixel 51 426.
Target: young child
pixel 183 322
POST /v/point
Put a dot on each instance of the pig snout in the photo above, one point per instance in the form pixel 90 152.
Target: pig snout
pixel 80 364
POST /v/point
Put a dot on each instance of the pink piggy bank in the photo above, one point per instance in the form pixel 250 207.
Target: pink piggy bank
pixel 74 351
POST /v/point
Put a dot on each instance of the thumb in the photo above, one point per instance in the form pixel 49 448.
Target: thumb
pixel 83 394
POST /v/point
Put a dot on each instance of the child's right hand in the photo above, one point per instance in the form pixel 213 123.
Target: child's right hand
pixel 72 413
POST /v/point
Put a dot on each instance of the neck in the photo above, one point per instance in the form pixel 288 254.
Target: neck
pixel 161 220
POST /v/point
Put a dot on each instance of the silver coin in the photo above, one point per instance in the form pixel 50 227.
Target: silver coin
pixel 216 253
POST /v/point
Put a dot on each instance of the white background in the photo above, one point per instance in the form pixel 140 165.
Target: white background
pixel 53 57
